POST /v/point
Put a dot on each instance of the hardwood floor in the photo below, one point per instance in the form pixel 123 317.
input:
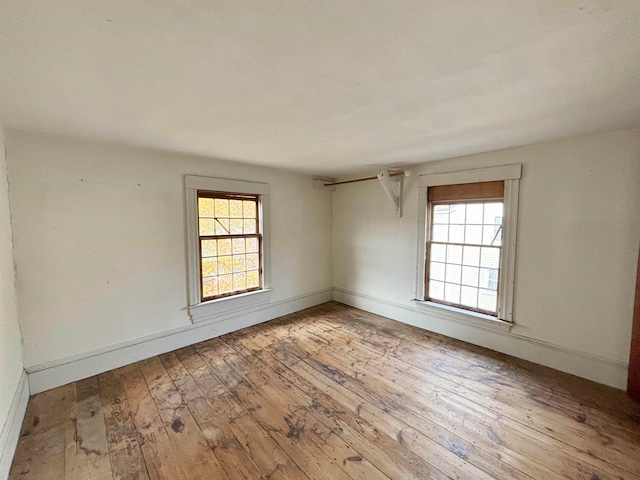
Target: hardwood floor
pixel 330 393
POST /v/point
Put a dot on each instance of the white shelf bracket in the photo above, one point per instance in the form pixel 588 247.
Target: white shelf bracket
pixel 388 183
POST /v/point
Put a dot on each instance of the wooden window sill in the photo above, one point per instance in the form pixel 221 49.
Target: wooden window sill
pixel 209 310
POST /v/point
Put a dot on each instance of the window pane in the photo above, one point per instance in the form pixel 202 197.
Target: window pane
pixel 252 245
pixel 253 261
pixel 473 234
pixel 453 273
pixel 469 297
pixel 235 226
pixel 222 226
pixel 471 256
pixel 436 271
pixel 470 276
pixel 489 278
pixel 456 233
pixel 238 245
pixel 253 279
pixel 490 257
pixel 205 207
pixel 457 214
pixel 493 213
pixel 209 267
pixel 250 226
pixel 440 233
pixel 451 293
pixel 249 209
pixel 238 263
pixel 487 300
pixel 225 264
pixel 436 290
pixel 225 284
pixel 209 287
pixel 235 208
pixel 239 281
pixel 222 207
pixel 489 233
pixel 207 226
pixel 441 214
pixel 224 246
pixel 474 213
pixel 209 248
pixel 454 254
pixel 438 252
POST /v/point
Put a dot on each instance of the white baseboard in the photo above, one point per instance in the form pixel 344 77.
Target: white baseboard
pixel 13 423
pixel 583 364
pixel 57 373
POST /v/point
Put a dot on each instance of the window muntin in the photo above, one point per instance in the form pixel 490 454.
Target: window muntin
pixel 463 254
pixel 230 244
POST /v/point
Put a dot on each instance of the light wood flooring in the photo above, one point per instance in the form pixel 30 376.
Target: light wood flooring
pixel 330 393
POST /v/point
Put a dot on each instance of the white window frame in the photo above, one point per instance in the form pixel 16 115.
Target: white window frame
pixel 511 175
pixel 200 311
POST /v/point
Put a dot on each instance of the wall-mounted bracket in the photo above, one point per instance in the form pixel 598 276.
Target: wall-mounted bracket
pixel 392 185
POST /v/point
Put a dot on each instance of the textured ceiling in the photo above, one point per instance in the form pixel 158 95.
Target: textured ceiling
pixel 324 86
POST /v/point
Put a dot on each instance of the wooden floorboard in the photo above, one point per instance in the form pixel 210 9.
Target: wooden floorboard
pixel 332 393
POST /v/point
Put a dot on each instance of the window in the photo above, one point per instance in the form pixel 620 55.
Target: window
pixel 464 245
pixel 467 238
pixel 227 245
pixel 230 243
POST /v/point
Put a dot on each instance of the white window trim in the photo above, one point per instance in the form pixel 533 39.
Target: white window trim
pixel 511 175
pixel 203 311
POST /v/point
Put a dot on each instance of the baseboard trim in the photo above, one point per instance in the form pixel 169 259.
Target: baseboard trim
pixel 583 364
pixel 46 376
pixel 10 433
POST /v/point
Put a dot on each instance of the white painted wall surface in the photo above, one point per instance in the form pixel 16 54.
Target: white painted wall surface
pixel 11 367
pixel 579 227
pixel 100 240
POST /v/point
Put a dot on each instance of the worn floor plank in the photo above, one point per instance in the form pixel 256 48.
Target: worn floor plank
pixel 331 392
pixel 160 458
pixel 92 446
pixel 127 461
pixel 43 440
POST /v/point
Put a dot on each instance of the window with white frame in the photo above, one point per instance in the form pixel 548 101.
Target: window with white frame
pixel 466 262
pixel 227 245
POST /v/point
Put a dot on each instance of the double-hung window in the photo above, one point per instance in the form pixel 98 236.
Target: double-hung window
pixel 227 246
pixel 464 245
pixel 230 241
pixel 467 239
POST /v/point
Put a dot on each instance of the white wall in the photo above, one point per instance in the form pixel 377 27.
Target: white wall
pixel 100 242
pixel 579 227
pixel 11 368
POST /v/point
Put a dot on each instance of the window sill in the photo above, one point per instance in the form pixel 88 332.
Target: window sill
pixel 220 308
pixel 445 312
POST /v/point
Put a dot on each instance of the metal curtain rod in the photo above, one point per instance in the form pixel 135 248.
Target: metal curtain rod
pixel 394 174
